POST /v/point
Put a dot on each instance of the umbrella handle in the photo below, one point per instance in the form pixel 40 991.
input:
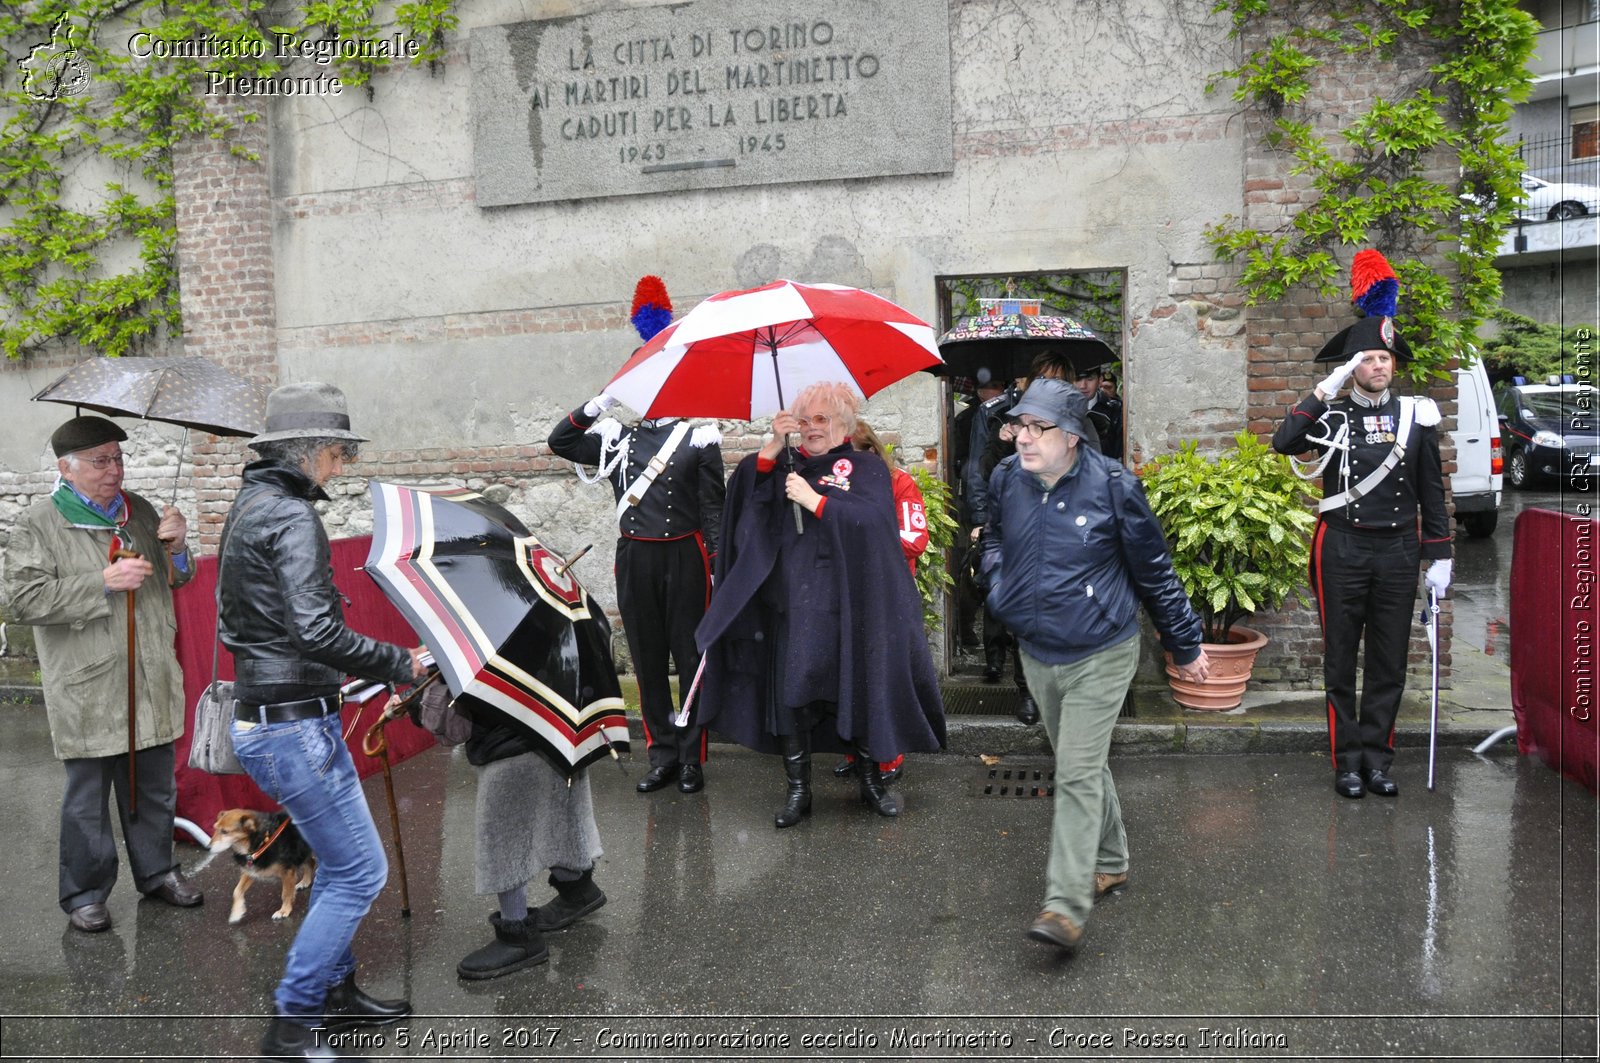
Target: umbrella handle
pixel 799 522
pixel 182 446
pixel 373 742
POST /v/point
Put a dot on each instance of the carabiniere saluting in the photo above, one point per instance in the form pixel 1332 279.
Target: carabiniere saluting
pixel 1382 511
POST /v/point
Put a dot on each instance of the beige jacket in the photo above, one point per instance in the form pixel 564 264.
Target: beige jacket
pixel 53 582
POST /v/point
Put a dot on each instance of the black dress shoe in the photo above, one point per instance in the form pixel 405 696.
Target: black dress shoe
pixel 1378 782
pixel 1348 784
pixel 1027 711
pixel 691 779
pixel 177 891
pixel 991 675
pixel 90 918
pixel 348 1006
pixel 845 768
pixel 657 777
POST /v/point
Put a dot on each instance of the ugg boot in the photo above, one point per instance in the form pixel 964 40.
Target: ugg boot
pixel 573 901
pixel 797 767
pixel 873 792
pixel 516 945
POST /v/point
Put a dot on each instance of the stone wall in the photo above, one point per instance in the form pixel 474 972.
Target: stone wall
pixel 351 249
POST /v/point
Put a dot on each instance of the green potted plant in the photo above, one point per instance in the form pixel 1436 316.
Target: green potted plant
pixel 1238 527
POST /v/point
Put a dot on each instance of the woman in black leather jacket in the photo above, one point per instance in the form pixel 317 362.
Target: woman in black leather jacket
pixel 280 615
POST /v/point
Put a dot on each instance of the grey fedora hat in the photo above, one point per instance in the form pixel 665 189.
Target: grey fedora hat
pixel 1057 402
pixel 312 410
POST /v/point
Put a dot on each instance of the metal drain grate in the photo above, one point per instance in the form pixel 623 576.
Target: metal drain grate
pixel 1015 780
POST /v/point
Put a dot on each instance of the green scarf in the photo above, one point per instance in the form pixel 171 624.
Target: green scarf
pixel 80 514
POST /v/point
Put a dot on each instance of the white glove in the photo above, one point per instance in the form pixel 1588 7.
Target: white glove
pixel 1335 380
pixel 599 404
pixel 1438 576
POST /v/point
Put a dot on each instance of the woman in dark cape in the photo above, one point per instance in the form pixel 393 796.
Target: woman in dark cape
pixel 814 638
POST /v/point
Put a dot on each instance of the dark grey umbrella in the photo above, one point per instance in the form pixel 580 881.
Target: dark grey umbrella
pixel 191 392
pixel 1005 346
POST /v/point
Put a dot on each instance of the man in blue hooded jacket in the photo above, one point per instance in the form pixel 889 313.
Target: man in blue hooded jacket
pixel 1071 550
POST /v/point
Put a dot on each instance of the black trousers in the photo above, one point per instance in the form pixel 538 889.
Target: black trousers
pixel 88 855
pixel 997 638
pixel 1366 588
pixel 662 589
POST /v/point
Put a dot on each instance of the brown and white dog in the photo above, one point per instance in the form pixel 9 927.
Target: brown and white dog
pixel 266 846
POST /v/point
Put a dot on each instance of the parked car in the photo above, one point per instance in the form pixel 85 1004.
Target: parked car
pixel 1476 483
pixel 1543 200
pixel 1549 432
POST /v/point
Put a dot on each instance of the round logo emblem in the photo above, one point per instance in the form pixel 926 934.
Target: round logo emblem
pixel 843 467
pixel 1386 331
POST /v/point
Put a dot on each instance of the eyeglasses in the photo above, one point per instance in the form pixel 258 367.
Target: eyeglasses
pixel 821 420
pixel 104 462
pixel 1031 429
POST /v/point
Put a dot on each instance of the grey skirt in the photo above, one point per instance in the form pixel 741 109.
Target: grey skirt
pixel 529 819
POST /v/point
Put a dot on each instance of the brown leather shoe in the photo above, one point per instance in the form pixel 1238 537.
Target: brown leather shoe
pixel 1106 884
pixel 176 891
pixel 1053 928
pixel 90 918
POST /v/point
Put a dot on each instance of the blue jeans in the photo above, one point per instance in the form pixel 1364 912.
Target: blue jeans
pixel 305 766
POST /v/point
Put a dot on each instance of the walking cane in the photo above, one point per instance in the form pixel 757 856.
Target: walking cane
pixel 133 777
pixel 375 744
pixel 1430 620
pixel 681 717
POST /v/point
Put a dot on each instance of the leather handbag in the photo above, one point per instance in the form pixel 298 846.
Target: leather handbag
pixel 211 747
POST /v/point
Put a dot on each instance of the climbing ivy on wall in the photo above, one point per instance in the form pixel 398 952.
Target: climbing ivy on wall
pixel 1421 172
pixel 107 87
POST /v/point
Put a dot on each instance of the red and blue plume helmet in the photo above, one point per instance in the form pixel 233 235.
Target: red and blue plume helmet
pixel 1374 289
pixel 1373 285
pixel 652 310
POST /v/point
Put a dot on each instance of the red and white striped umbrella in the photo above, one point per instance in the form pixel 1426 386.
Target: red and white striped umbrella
pixel 743 355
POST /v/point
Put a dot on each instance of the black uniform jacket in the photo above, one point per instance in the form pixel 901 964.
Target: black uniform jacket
pixel 686 496
pixel 853 615
pixel 1414 486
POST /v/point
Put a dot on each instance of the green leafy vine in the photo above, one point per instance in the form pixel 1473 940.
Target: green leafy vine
pixel 108 87
pixel 1423 174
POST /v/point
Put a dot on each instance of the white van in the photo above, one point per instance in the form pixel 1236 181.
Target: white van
pixel 1476 483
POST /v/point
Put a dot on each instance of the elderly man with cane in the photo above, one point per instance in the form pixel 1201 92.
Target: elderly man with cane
pixel 82 565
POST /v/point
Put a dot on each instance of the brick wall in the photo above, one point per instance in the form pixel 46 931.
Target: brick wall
pixel 225 279
pixel 1284 336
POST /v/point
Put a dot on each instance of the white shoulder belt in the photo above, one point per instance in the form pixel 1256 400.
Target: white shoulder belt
pixel 636 490
pixel 1408 413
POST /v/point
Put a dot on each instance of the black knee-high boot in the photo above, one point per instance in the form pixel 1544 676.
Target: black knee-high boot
pixel 797 766
pixel 873 793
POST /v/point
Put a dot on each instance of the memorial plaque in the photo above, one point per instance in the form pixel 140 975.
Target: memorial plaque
pixel 711 94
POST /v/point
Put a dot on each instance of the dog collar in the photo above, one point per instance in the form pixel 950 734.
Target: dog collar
pixel 268 843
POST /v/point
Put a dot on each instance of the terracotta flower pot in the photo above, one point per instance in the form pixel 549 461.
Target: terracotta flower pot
pixel 1231 664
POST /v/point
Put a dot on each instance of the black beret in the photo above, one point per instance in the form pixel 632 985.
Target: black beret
pixel 1368 334
pixel 84 432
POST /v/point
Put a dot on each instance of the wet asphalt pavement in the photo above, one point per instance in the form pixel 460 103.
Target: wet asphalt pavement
pixel 1266 917
pixel 1453 924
